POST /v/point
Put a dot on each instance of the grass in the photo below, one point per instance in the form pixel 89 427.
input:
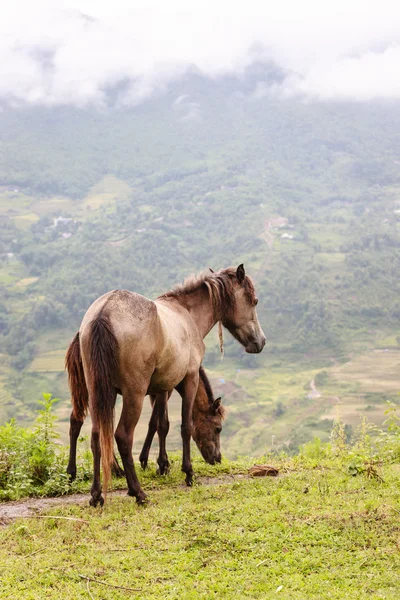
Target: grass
pixel 327 527
pixel 310 533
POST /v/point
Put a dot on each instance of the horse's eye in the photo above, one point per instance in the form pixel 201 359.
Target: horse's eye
pixel 256 302
pixel 218 429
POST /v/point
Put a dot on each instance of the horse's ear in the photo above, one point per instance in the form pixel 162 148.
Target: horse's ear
pixel 215 405
pixel 240 273
pixel 212 270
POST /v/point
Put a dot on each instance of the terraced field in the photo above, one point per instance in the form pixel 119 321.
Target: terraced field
pixel 49 362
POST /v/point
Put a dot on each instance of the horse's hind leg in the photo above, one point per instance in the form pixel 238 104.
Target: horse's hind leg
pixel 162 430
pixel 95 490
pixel 74 431
pixel 131 409
pixel 144 455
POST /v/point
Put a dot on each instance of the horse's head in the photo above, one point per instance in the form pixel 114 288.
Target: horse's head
pixel 206 431
pixel 241 319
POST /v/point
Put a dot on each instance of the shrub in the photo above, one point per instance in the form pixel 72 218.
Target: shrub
pixel 31 462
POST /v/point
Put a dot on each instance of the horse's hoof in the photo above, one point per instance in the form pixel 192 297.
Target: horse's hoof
pixel 189 480
pixel 72 476
pixel 142 500
pixel 164 469
pixel 141 497
pixel 95 501
pixel 143 464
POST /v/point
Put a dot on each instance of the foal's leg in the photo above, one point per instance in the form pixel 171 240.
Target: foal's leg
pixel 131 409
pixel 74 431
pixel 188 390
pixel 163 427
pixel 116 470
pixel 144 455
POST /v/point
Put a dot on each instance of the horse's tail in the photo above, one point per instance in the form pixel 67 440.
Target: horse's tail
pixel 103 368
pixel 76 379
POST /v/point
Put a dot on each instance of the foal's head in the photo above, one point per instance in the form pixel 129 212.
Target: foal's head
pixel 235 299
pixel 208 414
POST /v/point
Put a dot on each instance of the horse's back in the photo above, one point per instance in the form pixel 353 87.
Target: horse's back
pixel 130 311
pixel 129 314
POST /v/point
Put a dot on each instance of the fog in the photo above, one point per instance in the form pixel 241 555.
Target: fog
pixel 72 51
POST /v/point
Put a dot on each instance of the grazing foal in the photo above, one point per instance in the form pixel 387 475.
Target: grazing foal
pixel 208 414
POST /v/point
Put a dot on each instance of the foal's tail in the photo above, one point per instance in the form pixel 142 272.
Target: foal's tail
pixel 103 369
pixel 76 379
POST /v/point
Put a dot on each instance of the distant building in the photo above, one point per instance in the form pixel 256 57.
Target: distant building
pixel 61 220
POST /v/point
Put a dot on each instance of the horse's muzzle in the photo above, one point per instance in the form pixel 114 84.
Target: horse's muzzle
pixel 212 457
pixel 256 347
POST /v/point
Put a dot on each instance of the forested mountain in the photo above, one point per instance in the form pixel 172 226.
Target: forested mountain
pixel 209 172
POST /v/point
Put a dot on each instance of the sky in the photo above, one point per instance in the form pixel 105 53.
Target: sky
pixel 71 51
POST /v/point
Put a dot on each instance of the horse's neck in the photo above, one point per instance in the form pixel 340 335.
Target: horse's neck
pixel 201 310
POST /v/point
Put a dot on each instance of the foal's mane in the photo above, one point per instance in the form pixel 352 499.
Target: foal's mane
pixel 208 389
pixel 220 285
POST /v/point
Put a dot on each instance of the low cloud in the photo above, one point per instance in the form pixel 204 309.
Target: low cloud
pixel 74 51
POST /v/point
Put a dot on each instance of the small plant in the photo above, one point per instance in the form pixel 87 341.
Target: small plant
pixel 338 436
pixel 388 442
pixel 31 462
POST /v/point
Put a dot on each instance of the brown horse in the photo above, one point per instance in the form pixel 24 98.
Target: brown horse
pixel 140 347
pixel 208 414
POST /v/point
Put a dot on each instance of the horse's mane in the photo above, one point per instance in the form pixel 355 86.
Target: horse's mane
pixel 208 389
pixel 220 286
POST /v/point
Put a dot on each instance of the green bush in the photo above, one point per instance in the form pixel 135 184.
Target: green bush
pixel 369 448
pixel 31 462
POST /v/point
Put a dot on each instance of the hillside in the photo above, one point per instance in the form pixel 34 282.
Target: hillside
pixel 309 533
pixel 211 173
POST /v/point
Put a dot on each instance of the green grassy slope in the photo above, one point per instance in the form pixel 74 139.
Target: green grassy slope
pixel 310 533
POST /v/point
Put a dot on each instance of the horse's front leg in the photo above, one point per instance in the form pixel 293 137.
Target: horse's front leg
pixel 188 390
pixel 161 405
pixel 74 431
pixel 144 455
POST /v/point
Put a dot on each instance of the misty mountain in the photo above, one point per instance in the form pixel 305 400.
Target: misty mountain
pixel 207 172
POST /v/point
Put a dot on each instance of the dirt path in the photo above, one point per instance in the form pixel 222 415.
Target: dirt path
pixel 314 392
pixel 36 506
